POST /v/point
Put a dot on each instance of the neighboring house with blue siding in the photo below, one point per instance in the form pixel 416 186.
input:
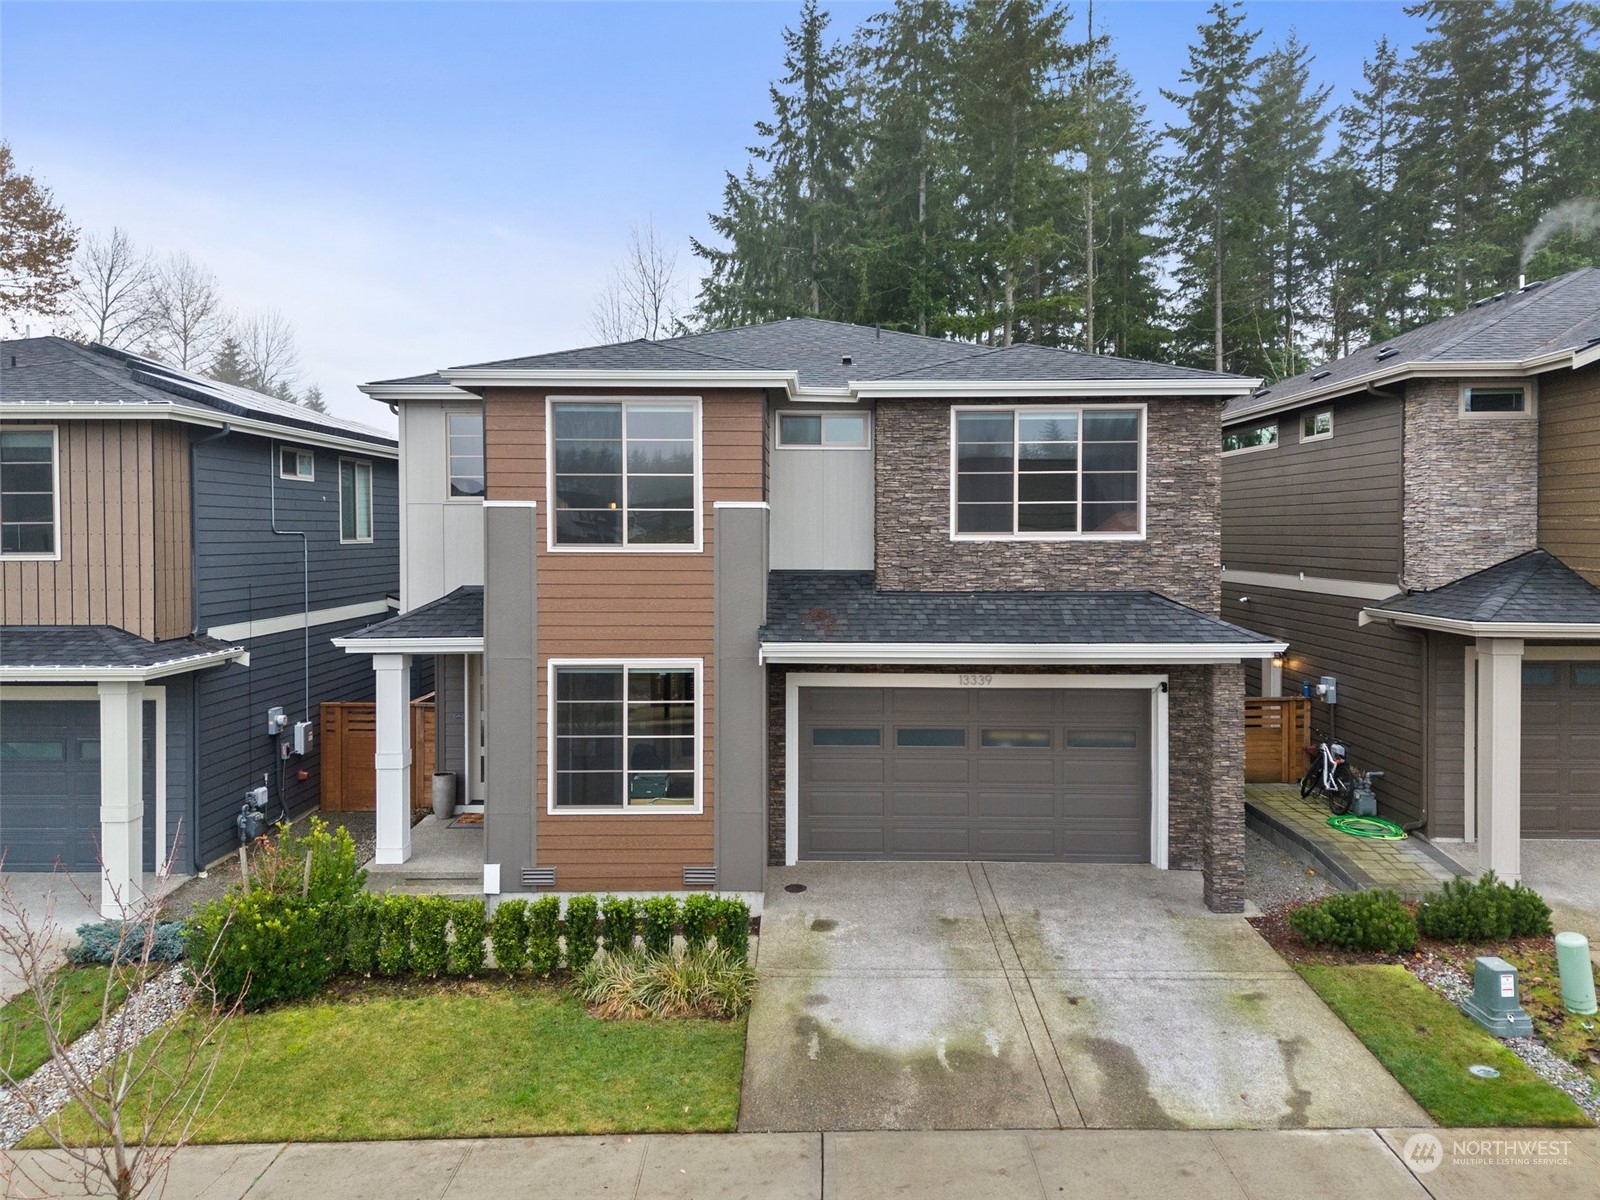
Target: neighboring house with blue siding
pixel 175 554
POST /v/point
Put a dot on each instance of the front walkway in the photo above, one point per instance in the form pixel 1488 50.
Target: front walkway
pixel 1036 996
pixel 1300 826
pixel 1346 1164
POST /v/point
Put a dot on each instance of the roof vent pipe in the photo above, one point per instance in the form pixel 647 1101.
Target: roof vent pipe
pixel 844 360
pixel 1522 282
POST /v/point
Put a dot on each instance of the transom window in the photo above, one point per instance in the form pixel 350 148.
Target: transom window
pixel 624 473
pixel 825 430
pixel 355 500
pixel 626 737
pixel 1047 472
pixel 294 463
pixel 1495 400
pixel 28 493
pixel 1316 425
pixel 1250 437
pixel 465 431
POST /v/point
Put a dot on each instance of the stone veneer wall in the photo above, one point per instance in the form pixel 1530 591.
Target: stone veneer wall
pixel 1471 486
pixel 1205 736
pixel 1180 556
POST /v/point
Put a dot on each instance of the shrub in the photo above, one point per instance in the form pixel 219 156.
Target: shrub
pixel 395 913
pixel 468 926
pixel 697 983
pixel 583 919
pixel 733 927
pixel 102 941
pixel 363 925
pixel 263 948
pixel 544 935
pixel 699 919
pixel 430 935
pixel 1362 921
pixel 508 934
pixel 621 922
pixel 1486 910
pixel 660 919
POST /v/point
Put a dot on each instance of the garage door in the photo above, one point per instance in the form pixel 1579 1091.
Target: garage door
pixel 1049 774
pixel 1561 749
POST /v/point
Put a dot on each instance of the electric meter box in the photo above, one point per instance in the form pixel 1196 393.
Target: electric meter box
pixel 305 735
pixel 1495 1002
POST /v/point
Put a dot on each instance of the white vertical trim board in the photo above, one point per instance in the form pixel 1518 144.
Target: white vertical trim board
pixel 1469 767
pixel 1156 685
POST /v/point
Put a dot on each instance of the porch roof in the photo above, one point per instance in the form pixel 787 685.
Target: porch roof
pixel 53 653
pixel 452 624
pixel 1534 594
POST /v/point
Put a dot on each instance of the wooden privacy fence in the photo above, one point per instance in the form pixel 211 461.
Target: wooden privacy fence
pixel 1276 732
pixel 350 745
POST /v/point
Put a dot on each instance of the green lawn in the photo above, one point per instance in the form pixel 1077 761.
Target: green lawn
pixel 466 1060
pixel 1427 1044
pixel 80 991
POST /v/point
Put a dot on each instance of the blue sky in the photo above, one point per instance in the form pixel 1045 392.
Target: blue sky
pixel 417 185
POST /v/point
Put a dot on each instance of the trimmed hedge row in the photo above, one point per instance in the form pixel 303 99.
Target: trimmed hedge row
pixel 527 934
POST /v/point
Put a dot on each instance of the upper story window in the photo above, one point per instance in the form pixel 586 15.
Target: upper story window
pixel 1048 472
pixel 28 500
pixel 625 473
pixel 294 463
pixel 829 431
pixel 355 500
pixel 625 736
pixel 1497 400
pixel 1250 437
pixel 465 431
pixel 1315 425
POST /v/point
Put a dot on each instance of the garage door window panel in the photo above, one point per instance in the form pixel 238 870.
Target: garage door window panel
pixel 846 738
pixel 625 737
pixel 930 738
pixel 1102 739
pixel 1015 739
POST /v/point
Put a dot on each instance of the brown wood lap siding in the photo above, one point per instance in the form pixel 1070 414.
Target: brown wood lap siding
pixel 1569 468
pixel 124 534
pixel 625 606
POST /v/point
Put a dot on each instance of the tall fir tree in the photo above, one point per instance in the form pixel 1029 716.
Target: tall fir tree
pixel 227 366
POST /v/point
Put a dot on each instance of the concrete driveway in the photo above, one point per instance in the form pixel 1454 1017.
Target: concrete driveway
pixel 1036 996
pixel 55 903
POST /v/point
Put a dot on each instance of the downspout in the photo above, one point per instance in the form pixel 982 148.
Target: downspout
pixel 194 631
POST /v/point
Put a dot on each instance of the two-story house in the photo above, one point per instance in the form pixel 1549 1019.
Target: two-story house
pixel 1420 521
pixel 806 590
pixel 174 553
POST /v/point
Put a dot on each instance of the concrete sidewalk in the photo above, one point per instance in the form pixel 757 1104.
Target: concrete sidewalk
pixel 1344 1164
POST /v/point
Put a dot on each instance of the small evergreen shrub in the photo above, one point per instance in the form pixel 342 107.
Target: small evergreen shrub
pixel 544 935
pixel 508 935
pixel 660 920
pixel 583 921
pixel 102 941
pixel 699 919
pixel 1361 921
pixel 1465 911
pixel 395 913
pixel 469 926
pixel 430 935
pixel 363 925
pixel 620 917
pixel 733 927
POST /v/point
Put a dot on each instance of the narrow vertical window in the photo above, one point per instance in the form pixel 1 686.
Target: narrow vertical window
pixel 28 493
pixel 465 431
pixel 355 500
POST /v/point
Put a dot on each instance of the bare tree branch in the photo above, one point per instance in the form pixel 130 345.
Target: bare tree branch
pixel 113 299
pixel 267 347
pixel 644 298
pixel 189 320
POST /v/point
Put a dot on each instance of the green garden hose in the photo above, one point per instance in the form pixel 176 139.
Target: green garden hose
pixel 1368 827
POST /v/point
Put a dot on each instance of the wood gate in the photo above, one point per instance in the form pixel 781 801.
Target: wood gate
pixel 1276 731
pixel 350 747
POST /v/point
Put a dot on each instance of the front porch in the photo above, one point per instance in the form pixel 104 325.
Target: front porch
pixel 446 859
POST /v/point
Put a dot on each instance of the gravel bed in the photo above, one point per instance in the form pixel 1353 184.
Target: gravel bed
pixel 45 1092
pixel 1453 984
pixel 1272 876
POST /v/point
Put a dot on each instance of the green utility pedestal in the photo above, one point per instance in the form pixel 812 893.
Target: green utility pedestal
pixel 1495 1002
pixel 1577 973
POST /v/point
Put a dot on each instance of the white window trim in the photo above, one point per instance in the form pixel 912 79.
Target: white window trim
pixel 1530 395
pixel 780 444
pixel 697 665
pixel 55 492
pixel 295 475
pixel 695 547
pixel 458 411
pixel 372 515
pixel 1159 756
pixel 1277 437
pixel 1313 414
pixel 1144 442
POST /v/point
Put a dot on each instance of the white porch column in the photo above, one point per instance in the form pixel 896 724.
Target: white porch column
pixel 393 759
pixel 1272 676
pixel 1499 767
pixel 121 796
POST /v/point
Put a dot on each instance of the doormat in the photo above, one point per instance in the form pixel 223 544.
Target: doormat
pixel 466 821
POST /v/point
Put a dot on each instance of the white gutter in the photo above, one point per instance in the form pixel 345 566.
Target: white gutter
pixel 210 419
pixel 911 389
pixel 176 666
pixel 417 645
pixel 414 391
pixel 1504 629
pixel 486 377
pixel 943 653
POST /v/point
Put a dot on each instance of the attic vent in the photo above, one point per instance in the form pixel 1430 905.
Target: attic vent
pixel 845 360
pixel 1260 392
pixel 538 877
pixel 1387 352
pixel 1320 374
pixel 700 877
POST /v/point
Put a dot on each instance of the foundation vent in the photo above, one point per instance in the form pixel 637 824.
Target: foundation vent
pixel 539 877
pixel 698 877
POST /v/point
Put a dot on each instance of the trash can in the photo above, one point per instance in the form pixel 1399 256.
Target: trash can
pixel 444 794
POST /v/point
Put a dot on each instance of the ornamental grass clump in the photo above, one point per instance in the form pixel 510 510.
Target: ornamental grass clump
pixel 1364 922
pixel 697 983
pixel 1464 911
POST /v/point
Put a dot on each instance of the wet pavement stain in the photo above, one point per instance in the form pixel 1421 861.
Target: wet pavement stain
pixel 1299 1098
pixel 814 1000
pixel 824 925
pixel 1127 1086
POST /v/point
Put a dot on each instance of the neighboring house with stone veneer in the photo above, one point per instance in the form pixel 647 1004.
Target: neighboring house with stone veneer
pixel 174 554
pixel 806 590
pixel 1421 520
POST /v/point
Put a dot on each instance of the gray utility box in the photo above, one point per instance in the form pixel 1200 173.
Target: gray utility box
pixel 1495 1002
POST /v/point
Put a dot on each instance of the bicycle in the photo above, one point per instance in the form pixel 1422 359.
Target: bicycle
pixel 1328 774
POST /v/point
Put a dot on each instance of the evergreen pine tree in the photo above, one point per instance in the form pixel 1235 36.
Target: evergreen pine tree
pixel 312 399
pixel 228 364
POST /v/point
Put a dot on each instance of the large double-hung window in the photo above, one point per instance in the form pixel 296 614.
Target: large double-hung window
pixel 1047 472
pixel 624 473
pixel 626 736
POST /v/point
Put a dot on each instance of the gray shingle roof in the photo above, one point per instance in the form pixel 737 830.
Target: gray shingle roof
pixel 1050 363
pixel 817 349
pixel 457 615
pixel 1532 588
pixel 845 606
pixel 91 646
pixel 53 370
pixel 1560 314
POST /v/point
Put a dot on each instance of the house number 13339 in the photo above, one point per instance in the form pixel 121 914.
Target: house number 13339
pixel 977 680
